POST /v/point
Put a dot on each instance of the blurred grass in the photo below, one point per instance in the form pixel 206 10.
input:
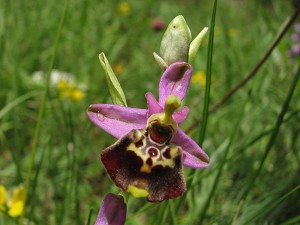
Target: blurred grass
pixel 69 178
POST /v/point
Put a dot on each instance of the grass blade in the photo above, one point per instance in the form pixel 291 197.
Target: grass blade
pixel 271 206
pixel 88 222
pixel 16 102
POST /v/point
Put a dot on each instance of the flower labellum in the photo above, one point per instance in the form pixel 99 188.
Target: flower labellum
pixel 147 159
pixel 112 211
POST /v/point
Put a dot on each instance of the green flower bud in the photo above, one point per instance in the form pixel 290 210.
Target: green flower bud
pixel 176 45
pixel 176 41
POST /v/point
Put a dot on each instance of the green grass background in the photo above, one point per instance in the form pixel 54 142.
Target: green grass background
pixel 68 178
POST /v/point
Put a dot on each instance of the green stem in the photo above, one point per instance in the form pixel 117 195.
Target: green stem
pixel 42 110
pixel 208 76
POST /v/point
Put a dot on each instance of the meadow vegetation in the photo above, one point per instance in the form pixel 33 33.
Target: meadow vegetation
pixel 252 139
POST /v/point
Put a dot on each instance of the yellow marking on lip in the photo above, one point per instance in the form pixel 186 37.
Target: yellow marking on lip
pixel 137 192
pixel 159 160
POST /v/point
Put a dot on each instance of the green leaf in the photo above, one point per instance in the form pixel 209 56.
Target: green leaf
pixel 115 89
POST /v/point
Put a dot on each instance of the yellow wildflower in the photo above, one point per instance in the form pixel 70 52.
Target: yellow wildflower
pixel 16 209
pixel 16 204
pixel 124 8
pixel 199 78
pixel 76 95
pixel 3 194
pixel 69 90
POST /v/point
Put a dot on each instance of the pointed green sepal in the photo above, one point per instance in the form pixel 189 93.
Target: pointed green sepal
pixel 176 41
pixel 196 44
pixel 115 89
pixel 160 61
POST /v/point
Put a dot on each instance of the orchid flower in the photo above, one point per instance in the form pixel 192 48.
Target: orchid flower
pixel 112 211
pixel 147 158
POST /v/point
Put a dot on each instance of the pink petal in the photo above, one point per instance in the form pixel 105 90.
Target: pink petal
pixel 117 120
pixel 193 155
pixel 153 106
pixel 175 80
pixel 192 161
pixel 180 116
pixel 112 211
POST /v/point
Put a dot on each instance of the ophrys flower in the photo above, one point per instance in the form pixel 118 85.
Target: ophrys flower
pixel 128 162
